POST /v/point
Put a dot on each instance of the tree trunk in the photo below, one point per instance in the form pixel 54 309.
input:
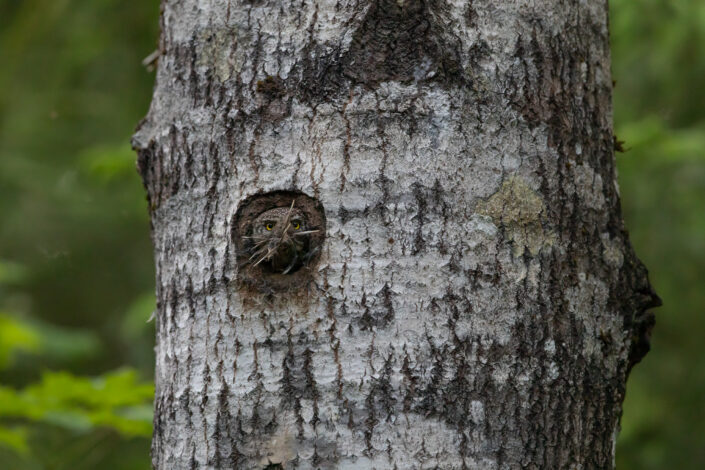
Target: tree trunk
pixel 470 299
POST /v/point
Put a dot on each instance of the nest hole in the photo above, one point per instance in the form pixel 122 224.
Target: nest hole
pixel 278 238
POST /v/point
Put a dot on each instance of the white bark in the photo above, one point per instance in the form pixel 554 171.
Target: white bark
pixel 476 299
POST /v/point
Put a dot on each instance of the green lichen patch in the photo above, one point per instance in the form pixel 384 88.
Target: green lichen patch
pixel 217 52
pixel 522 213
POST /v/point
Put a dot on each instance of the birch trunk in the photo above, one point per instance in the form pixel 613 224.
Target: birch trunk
pixel 476 303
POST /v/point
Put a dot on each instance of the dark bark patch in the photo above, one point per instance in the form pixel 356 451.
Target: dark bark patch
pixel 470 16
pixel 380 401
pixel 271 87
pixel 378 312
pixel 146 161
pixel 273 466
pixel 396 41
pixel 272 97
pixel 420 217
pixel 638 319
pixel 618 144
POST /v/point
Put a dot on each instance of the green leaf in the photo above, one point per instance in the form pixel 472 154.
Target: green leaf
pixel 41 338
pixel 116 400
pixel 15 336
pixel 14 439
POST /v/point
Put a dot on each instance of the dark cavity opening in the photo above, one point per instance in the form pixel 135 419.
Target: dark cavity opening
pixel 278 236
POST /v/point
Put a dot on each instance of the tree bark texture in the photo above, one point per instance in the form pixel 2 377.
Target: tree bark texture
pixel 476 304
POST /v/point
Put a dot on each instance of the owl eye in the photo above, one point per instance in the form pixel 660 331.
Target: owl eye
pixel 269 226
pixel 296 225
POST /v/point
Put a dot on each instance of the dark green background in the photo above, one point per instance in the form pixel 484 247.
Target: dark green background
pixel 76 272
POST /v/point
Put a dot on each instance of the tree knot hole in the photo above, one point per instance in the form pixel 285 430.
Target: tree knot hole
pixel 278 236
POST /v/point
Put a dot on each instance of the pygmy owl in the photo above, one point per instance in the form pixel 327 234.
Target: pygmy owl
pixel 280 240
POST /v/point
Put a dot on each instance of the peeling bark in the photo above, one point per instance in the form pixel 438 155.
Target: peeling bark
pixel 476 304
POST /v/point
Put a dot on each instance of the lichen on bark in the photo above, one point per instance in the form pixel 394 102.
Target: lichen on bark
pixel 522 213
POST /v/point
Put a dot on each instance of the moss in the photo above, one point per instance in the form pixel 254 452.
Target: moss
pixel 522 213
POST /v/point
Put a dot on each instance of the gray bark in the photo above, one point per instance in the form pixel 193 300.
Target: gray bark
pixel 476 303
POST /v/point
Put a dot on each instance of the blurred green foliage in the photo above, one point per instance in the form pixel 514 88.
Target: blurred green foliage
pixel 658 62
pixel 76 274
pixel 113 400
pixel 15 337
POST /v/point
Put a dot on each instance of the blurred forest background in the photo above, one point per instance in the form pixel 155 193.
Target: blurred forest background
pixel 76 274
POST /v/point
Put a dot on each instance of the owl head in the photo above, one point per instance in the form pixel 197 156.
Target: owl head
pixel 276 222
pixel 280 240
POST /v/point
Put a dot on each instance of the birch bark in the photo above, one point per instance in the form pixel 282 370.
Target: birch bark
pixel 476 304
